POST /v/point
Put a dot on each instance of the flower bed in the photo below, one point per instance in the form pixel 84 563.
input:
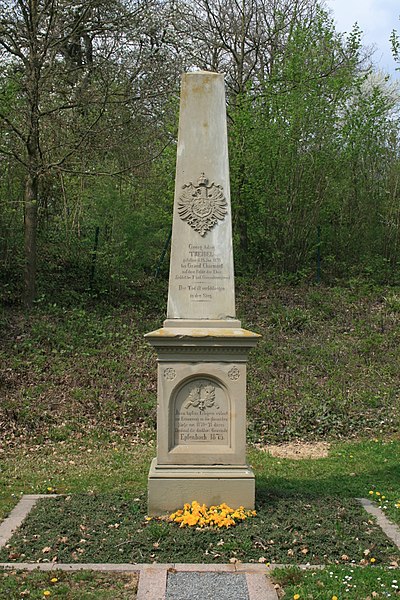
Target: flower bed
pixel 198 515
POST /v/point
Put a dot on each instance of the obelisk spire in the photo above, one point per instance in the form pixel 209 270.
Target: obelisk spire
pixel 201 282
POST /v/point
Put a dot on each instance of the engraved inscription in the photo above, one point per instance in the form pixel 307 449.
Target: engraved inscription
pixel 202 274
pixel 202 205
pixel 201 414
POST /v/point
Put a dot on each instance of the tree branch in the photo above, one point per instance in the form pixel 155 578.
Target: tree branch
pixel 13 127
pixel 121 171
pixel 14 51
pixel 14 155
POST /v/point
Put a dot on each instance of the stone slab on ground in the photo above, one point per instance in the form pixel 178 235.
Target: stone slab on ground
pixel 260 587
pixel 73 567
pixel 152 583
pixel 18 515
pixel 389 528
pixel 206 586
pixel 254 585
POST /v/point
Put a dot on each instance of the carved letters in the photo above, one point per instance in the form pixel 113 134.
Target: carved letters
pixel 202 414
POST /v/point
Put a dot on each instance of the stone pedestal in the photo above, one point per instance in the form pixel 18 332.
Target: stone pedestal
pixel 201 417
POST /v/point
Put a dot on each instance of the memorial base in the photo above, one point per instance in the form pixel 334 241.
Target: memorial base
pixel 170 487
pixel 201 417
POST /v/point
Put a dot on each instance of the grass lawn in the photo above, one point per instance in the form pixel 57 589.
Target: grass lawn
pixel 352 470
pixel 338 582
pixel 89 528
pixel 306 508
pixel 77 417
pixel 83 585
pixel 107 465
pixel 83 465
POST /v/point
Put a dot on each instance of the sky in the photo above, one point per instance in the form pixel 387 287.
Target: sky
pixel 377 19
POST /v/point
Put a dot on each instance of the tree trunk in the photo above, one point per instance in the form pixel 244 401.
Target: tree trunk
pixel 242 213
pixel 30 229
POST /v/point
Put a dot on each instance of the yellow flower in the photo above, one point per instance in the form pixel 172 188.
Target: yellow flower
pixel 371 493
pixel 54 580
pixel 219 516
pixel 46 593
pixel 372 560
pixel 296 597
pixel 334 598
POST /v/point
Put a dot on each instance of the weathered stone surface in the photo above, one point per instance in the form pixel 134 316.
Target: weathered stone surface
pixel 201 419
pixel 201 283
pixel 170 487
pixel 201 349
pixel 201 413
pixel 201 408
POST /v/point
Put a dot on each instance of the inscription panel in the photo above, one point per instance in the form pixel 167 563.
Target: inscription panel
pixel 202 276
pixel 201 414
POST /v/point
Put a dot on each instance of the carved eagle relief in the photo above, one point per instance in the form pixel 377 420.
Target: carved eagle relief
pixel 201 397
pixel 202 205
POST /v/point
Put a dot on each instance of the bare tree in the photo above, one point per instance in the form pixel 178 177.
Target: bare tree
pixel 241 38
pixel 68 63
pixel 245 39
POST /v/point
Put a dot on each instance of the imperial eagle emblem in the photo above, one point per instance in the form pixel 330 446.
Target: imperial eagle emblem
pixel 202 205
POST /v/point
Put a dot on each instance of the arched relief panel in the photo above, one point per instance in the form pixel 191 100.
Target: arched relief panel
pixel 201 414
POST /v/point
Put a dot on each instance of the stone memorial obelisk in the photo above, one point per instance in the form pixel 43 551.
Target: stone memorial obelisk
pixel 202 349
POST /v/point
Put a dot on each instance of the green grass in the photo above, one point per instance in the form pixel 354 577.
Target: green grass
pixel 84 585
pixel 351 470
pixel 102 465
pixel 322 489
pixel 78 465
pixel 327 366
pixel 78 389
pixel 108 464
pixel 90 528
pixel 352 583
